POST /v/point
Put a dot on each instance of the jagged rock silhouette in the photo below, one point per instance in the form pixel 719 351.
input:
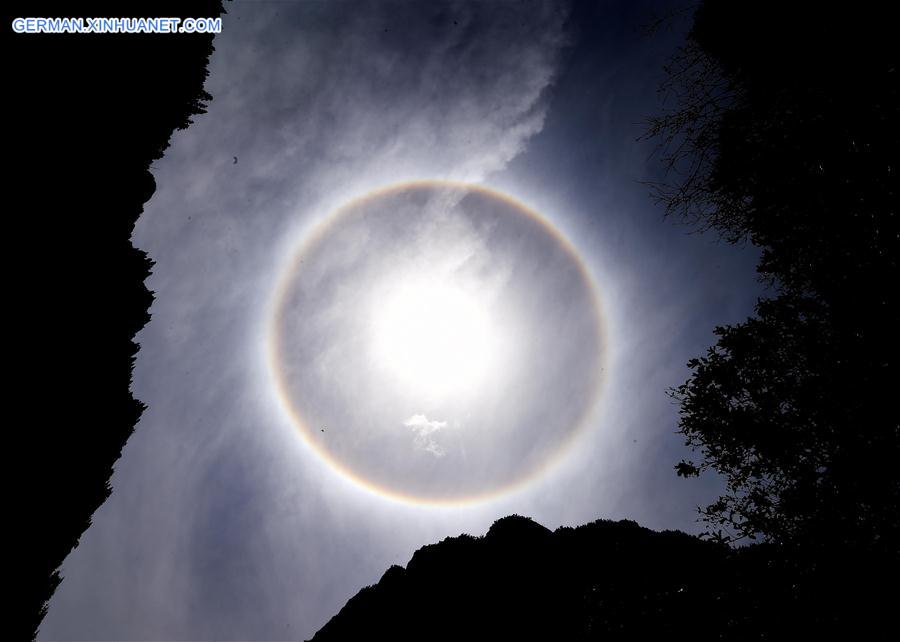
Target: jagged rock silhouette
pixel 604 580
pixel 87 115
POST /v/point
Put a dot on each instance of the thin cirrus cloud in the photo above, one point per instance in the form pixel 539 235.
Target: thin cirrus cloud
pixel 222 525
pixel 215 529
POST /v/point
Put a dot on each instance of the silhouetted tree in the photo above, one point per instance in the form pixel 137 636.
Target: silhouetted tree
pixel 784 133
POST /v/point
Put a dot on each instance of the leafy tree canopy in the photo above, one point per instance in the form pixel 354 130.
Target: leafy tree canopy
pixel 783 130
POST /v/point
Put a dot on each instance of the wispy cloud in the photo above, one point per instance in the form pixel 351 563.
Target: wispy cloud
pixel 425 433
pixel 220 526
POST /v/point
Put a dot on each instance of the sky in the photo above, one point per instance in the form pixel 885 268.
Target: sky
pixel 408 279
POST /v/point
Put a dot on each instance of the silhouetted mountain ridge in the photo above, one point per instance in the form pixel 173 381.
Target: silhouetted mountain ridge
pixel 603 580
pixel 86 115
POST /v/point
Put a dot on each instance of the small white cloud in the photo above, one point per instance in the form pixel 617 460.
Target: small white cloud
pixel 424 431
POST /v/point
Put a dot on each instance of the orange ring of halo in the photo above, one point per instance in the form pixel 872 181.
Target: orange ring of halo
pixel 294 413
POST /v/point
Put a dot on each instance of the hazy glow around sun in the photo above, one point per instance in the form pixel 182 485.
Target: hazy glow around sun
pixel 433 336
pixel 437 342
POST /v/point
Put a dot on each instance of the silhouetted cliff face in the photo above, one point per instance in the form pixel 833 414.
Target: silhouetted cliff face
pixel 86 115
pixel 604 580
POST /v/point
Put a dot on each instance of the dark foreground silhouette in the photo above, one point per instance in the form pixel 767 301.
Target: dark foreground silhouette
pixel 612 581
pixel 85 117
pixel 782 129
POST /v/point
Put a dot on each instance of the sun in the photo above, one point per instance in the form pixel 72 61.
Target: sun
pixel 437 342
pixel 433 335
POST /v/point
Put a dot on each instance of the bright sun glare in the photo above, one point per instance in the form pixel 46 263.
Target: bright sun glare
pixel 437 342
pixel 433 336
